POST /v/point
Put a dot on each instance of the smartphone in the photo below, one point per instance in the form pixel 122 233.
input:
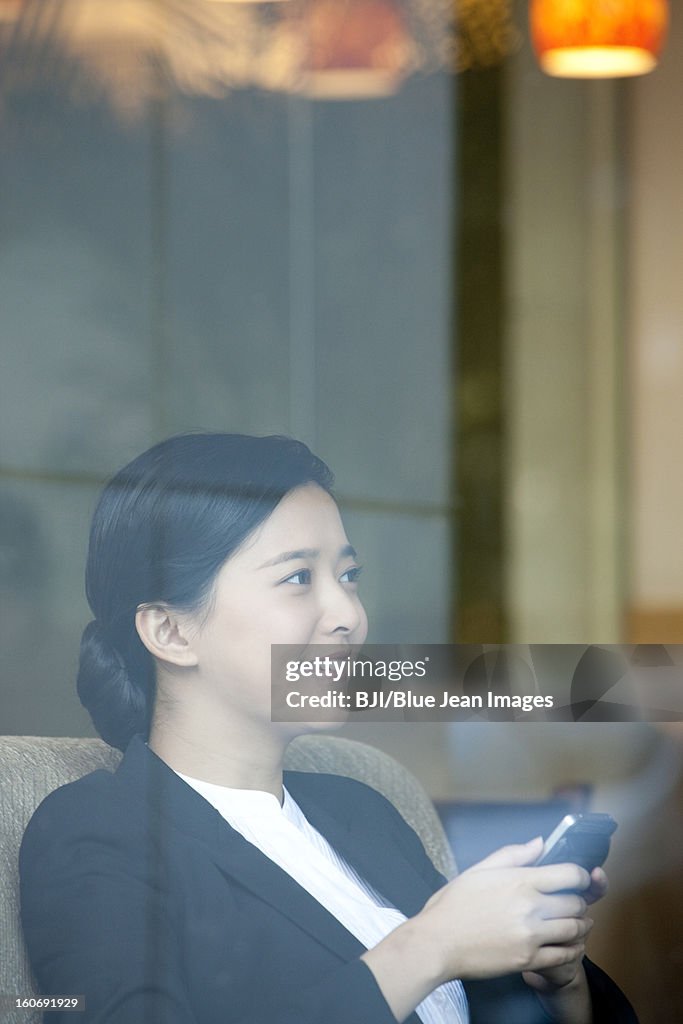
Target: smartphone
pixel 579 839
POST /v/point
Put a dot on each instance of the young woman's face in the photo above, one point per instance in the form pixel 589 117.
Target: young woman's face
pixel 294 581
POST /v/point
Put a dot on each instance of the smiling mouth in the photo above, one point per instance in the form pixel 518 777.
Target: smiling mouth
pixel 338 653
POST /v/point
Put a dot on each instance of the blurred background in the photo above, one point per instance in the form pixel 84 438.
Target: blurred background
pixel 378 226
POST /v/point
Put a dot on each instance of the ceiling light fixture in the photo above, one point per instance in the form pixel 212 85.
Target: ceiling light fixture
pixel 598 38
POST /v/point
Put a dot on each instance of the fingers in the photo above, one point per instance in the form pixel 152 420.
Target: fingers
pixel 599 878
pixel 598 887
pixel 559 877
pixel 557 956
pixel 567 931
pixel 551 979
pixel 567 905
pixel 515 856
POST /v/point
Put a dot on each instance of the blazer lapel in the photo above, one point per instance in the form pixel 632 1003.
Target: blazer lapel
pixel 244 863
pixel 366 849
pixel 171 804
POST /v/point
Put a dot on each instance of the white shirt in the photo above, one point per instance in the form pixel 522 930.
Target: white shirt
pixel 284 835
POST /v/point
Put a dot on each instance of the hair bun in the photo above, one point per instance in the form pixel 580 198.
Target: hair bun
pixel 118 707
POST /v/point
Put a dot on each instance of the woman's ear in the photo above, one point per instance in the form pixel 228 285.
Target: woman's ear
pixel 165 634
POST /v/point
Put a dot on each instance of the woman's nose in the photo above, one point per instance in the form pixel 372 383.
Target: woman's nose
pixel 342 611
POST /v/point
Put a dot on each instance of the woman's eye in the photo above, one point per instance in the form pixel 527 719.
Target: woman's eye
pixel 302 577
pixel 352 574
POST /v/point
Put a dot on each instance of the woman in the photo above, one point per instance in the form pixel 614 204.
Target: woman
pixel 192 886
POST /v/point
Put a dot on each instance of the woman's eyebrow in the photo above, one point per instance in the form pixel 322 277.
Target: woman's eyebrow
pixel 291 556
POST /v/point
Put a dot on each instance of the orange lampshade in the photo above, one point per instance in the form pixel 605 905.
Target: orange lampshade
pixel 356 48
pixel 598 38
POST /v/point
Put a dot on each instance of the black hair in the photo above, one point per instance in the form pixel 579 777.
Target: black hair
pixel 162 528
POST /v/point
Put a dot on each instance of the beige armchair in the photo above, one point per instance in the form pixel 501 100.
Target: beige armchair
pixel 32 766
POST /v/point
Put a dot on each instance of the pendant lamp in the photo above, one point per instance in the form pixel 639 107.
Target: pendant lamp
pixel 356 48
pixel 598 38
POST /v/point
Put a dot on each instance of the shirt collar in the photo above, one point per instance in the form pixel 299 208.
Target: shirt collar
pixel 242 803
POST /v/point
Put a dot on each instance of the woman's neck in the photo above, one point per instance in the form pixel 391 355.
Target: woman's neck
pixel 242 755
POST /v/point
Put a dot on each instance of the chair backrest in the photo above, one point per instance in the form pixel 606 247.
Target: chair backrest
pixel 33 766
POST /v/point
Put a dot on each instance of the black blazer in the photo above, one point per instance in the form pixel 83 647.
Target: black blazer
pixel 138 894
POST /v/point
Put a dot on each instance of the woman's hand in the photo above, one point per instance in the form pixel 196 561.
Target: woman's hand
pixel 598 887
pixel 553 978
pixel 557 977
pixel 502 916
